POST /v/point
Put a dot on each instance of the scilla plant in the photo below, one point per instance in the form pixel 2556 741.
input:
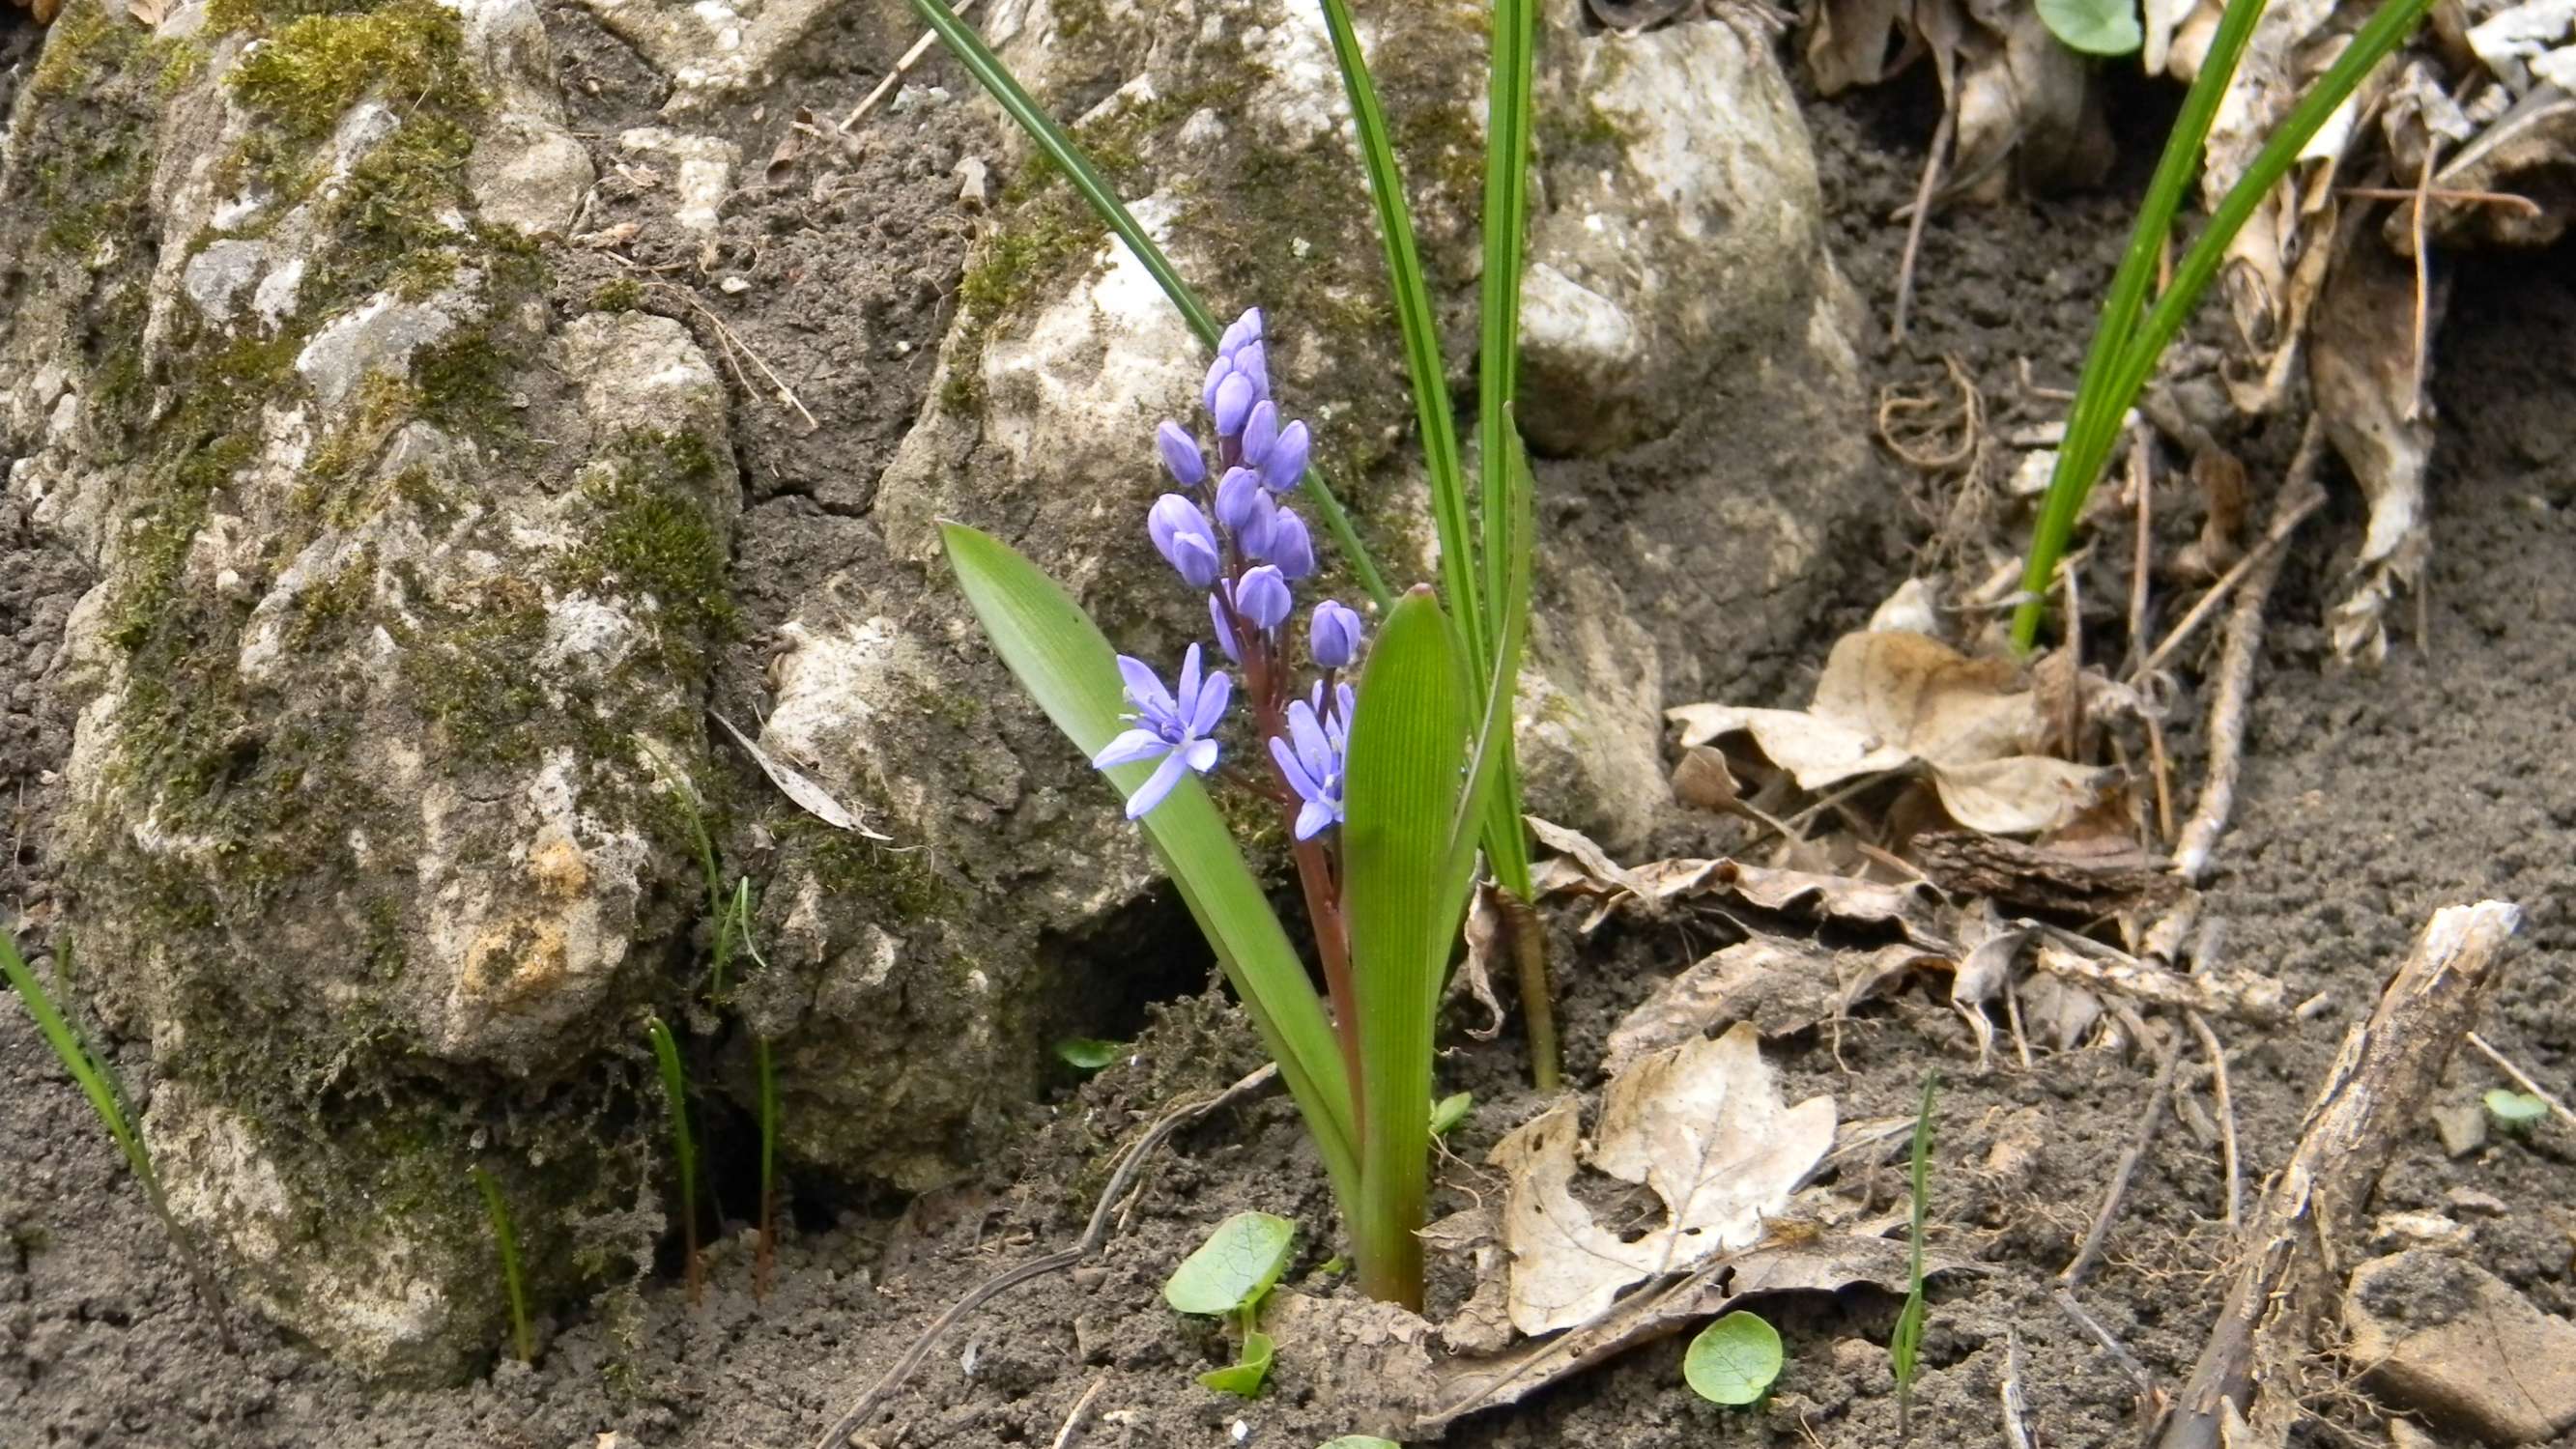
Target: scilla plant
pixel 1388 773
pixel 1379 766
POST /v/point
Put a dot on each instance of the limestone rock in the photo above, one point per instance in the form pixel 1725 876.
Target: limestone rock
pixel 404 599
pixel 2447 1338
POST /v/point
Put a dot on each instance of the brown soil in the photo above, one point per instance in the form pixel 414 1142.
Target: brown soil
pixel 2370 799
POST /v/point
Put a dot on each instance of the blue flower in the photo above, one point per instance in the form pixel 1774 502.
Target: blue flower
pixel 1288 545
pixel 1174 727
pixel 1261 598
pixel 1285 461
pixel 1180 454
pixel 1244 510
pixel 1311 758
pixel 1260 431
pixel 1181 532
pixel 1335 635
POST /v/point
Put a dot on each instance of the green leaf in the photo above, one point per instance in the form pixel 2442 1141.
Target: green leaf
pixel 980 62
pixel 1419 328
pixel 2125 347
pixel 1234 1267
pixel 2515 1111
pixel 96 1083
pixel 1734 1360
pixel 1906 1342
pixel 1061 659
pixel 2095 27
pixel 505 1239
pixel 1451 1111
pixel 1244 1377
pixel 1401 794
pixel 1087 1053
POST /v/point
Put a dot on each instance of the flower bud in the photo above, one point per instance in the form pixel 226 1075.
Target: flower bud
pixel 1253 362
pixel 1239 501
pixel 1243 329
pixel 1232 404
pixel 1182 535
pixel 1260 431
pixel 1285 462
pixel 1261 598
pixel 1180 454
pixel 1218 371
pixel 1224 630
pixel 1288 545
pixel 1335 636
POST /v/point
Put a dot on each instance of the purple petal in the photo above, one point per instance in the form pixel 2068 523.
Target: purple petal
pixel 1196 559
pixel 1243 329
pixel 1289 546
pixel 1260 431
pixel 1334 636
pixel 1157 785
pixel 1313 818
pixel 1201 755
pixel 1213 698
pixel 1180 454
pixel 1232 403
pixel 1239 499
pixel 1224 630
pixel 1144 687
pixel 1129 748
pixel 1312 746
pixel 1252 360
pixel 1285 463
pixel 1261 597
pixel 1293 770
pixel 1217 372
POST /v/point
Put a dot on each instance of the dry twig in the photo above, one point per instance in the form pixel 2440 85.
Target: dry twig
pixel 2234 695
pixel 2218 1089
pixel 901 69
pixel 1094 1234
pixel 1914 224
pixel 2073 1276
pixel 732 343
pixel 2016 1412
pixel 1072 1429
pixel 2242 1391
pixel 2150 1393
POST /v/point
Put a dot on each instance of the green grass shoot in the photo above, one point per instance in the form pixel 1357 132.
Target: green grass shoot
pixel 1905 1345
pixel 684 1150
pixel 2132 336
pixel 98 1083
pixel 505 1237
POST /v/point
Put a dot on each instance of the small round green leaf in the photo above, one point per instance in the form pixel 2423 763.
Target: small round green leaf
pixel 1734 1360
pixel 1237 1264
pixel 2095 27
pixel 1088 1054
pixel 1451 1110
pixel 2515 1111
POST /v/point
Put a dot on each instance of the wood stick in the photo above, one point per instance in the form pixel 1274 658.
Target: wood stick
pixel 901 69
pixel 1072 1429
pixel 2234 696
pixel 2016 1413
pixel 2369 1101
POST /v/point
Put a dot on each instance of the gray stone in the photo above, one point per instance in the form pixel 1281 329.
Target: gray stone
pixel 531 177
pixel 381 337
pixel 2445 1337
pixel 217 276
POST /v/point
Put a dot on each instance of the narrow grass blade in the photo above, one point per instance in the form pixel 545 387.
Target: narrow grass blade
pixel 1066 665
pixel 765 1068
pixel 88 1072
pixel 2126 345
pixel 506 1238
pixel 1420 332
pixel 968 46
pixel 1408 745
pixel 1905 1345
pixel 684 1150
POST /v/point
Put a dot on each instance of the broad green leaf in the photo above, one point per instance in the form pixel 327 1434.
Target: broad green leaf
pixel 1087 1053
pixel 1061 659
pixel 964 43
pixel 1244 1377
pixel 1734 1360
pixel 2095 27
pixel 1234 1267
pixel 2515 1111
pixel 1451 1111
pixel 1419 328
pixel 1401 791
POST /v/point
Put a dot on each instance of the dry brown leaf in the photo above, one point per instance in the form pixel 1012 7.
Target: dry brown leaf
pixel 796 785
pixel 1488 945
pixel 147 13
pixel 1778 985
pixel 1652 888
pixel 1892 701
pixel 1861 42
pixel 1704 1126
pixel 2061 876
pixel 2534 140
pixel 2362 364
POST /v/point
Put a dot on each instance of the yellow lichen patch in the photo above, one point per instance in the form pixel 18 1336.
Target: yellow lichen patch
pixel 557 866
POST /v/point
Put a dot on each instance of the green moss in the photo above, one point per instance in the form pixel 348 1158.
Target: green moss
pixel 464 384
pixel 655 536
pixel 1013 263
pixel 622 294
pixel 306 76
pixel 899 885
pixel 468 668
